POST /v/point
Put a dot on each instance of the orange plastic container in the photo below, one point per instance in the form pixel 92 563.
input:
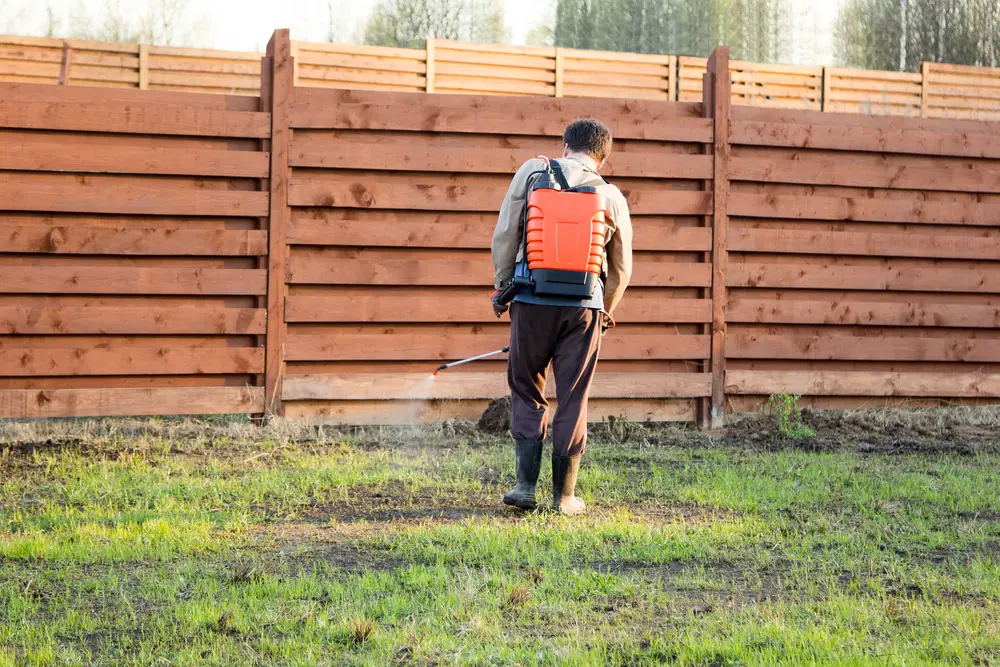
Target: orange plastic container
pixel 566 231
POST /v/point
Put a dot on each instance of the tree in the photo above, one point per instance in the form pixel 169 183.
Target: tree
pixel 152 22
pixel 407 23
pixel 900 34
pixel 754 29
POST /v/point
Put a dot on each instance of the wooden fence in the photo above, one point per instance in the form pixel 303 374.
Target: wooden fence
pixel 443 66
pixel 317 252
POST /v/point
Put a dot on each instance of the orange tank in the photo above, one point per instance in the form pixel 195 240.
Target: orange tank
pixel 566 231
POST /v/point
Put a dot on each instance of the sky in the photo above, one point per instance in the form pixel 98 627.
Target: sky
pixel 246 25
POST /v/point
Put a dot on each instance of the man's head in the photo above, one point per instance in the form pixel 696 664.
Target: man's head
pixel 590 137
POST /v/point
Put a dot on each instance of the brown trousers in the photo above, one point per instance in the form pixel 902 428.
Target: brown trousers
pixel 570 338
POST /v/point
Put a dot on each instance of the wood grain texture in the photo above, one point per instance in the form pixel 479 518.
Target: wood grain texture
pixel 70 156
pixel 36 238
pixel 864 313
pixel 856 348
pixel 115 360
pixel 100 280
pixel 131 401
pixel 863 383
pixel 885 277
pixel 470 307
pixel 375 386
pixel 926 245
pixel 102 115
pixel 29 320
pixel 356 109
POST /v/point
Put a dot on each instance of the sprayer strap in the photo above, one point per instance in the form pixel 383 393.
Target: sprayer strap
pixel 560 176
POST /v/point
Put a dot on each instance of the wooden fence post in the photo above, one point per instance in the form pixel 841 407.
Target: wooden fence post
pixel 280 80
pixel 560 65
pixel 144 67
pixel 67 62
pixel 717 105
pixel 429 78
pixel 924 81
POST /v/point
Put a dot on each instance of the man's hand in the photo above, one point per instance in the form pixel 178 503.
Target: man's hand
pixel 498 308
pixel 607 322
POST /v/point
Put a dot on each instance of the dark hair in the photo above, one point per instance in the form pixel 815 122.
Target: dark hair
pixel 590 136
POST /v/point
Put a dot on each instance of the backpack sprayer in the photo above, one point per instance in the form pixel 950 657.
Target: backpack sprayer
pixel 565 229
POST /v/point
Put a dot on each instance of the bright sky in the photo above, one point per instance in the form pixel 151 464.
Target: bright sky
pixel 244 25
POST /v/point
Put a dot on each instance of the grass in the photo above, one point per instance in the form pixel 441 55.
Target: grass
pixel 164 542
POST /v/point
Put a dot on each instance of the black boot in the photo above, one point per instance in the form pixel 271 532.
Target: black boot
pixel 564 473
pixel 529 463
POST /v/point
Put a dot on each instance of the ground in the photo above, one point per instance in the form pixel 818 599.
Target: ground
pixel 158 542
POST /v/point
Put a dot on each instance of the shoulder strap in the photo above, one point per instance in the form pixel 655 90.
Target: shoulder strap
pixel 560 176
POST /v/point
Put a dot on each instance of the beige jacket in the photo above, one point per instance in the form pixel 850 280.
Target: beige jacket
pixel 507 236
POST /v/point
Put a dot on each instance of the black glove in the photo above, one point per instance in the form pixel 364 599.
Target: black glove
pixel 498 308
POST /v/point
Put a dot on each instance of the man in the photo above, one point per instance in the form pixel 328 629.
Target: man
pixel 564 331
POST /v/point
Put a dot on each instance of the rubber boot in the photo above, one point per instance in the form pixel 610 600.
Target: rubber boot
pixel 529 464
pixel 564 473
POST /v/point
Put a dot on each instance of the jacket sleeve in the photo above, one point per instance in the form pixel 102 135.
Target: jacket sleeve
pixel 507 235
pixel 619 251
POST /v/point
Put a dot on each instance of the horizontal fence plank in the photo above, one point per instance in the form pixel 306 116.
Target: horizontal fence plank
pixel 438 195
pixel 915 209
pixel 446 345
pixel 37 238
pixel 355 109
pixel 130 320
pixel 796 242
pixel 866 313
pixel 863 383
pixel 854 348
pixel 114 280
pixel 107 116
pixel 471 306
pixel 403 413
pixel 829 171
pixel 375 386
pixel 165 199
pixel 114 360
pixel 132 401
pixel 325 227
pixel 338 154
pixel 886 277
pixel 31 155
pixel 868 139
pixel 447 271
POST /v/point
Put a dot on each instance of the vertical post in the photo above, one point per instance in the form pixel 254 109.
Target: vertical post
pixel 143 66
pixel 827 84
pixel 429 79
pixel 67 62
pixel 925 80
pixel 672 75
pixel 295 63
pixel 717 105
pixel 280 80
pixel 560 65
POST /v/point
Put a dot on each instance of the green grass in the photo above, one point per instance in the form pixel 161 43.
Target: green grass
pixel 372 549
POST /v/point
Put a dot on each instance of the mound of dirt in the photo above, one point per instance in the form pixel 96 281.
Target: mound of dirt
pixel 495 420
pixel 870 431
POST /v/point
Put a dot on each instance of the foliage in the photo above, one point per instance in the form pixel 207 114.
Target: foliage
pixel 753 29
pixel 786 410
pixel 407 23
pixel 879 34
pixel 166 22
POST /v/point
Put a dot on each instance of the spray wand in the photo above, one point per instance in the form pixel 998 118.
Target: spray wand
pixel 465 361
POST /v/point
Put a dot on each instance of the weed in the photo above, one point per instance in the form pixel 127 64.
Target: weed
pixel 361 630
pixel 517 596
pixel 788 417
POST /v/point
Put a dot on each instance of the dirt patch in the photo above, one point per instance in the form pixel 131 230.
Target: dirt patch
pixel 869 431
pixel 495 420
